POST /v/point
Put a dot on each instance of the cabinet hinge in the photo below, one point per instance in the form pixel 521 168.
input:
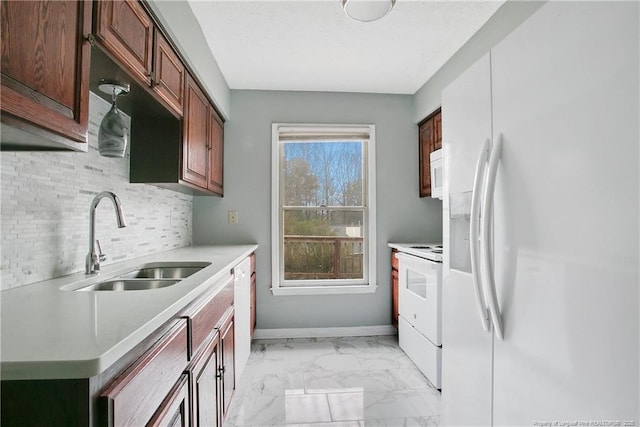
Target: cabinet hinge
pixel 91 39
pixel 221 371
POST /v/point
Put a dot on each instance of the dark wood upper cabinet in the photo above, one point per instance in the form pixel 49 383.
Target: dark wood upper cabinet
pixel 195 153
pixel 202 144
pixel 429 140
pixel 437 130
pixel 168 74
pixel 216 154
pixel 45 74
pixel 126 31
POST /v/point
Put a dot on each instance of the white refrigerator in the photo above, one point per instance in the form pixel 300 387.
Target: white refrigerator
pixel 541 205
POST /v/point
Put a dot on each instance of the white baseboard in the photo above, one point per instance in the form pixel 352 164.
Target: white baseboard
pixel 350 331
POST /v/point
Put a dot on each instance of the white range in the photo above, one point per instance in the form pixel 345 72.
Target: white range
pixel 420 306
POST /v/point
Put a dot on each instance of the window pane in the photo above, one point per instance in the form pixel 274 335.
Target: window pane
pixel 322 173
pixel 323 244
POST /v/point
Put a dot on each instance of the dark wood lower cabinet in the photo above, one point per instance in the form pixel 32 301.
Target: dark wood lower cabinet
pixel 135 396
pixel 159 383
pixel 204 386
pixel 252 320
pixel 394 288
pixel 227 367
pixel 175 411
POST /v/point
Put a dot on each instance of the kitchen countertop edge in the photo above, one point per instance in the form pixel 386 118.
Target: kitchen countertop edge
pixel 15 367
pixel 406 248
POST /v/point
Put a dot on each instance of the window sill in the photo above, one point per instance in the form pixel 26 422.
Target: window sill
pixel 323 290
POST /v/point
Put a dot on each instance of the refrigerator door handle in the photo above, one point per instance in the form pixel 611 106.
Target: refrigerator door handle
pixel 474 232
pixel 486 219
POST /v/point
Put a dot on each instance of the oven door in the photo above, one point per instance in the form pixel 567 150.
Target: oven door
pixel 420 295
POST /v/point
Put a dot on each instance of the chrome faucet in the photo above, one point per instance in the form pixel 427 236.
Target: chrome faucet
pixel 92 264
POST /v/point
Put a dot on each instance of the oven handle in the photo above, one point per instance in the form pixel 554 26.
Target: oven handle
pixel 474 233
pixel 487 216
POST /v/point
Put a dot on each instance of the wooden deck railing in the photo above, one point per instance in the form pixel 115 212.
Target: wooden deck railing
pixel 323 257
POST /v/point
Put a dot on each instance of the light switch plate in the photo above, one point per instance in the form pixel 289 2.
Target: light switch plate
pixel 233 217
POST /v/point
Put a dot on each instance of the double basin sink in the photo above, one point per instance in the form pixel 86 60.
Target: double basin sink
pixel 148 276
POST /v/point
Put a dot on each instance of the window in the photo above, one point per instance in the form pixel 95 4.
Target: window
pixel 323 209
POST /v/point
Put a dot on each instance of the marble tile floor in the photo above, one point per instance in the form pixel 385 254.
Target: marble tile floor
pixel 332 382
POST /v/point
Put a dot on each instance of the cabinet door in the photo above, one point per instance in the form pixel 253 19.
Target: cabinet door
pixel 437 131
pixel 227 367
pixel 126 30
pixel 194 145
pixel 175 410
pixel 45 67
pixel 205 383
pixel 168 70
pixel 394 298
pixel 253 304
pixel 135 396
pixel 216 145
pixel 426 145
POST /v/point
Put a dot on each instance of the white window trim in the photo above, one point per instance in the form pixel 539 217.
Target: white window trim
pixel 370 238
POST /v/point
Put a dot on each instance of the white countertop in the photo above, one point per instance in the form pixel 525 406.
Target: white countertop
pixel 49 333
pixel 413 249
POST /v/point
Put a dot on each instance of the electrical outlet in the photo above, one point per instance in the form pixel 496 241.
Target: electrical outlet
pixel 233 217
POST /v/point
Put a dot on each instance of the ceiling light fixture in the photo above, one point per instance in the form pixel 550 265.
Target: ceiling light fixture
pixel 113 134
pixel 367 10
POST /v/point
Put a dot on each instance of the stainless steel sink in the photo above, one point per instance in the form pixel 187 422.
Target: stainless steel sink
pixel 129 285
pixel 164 272
pixel 148 276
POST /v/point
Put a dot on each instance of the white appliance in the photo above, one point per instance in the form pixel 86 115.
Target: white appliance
pixel 242 317
pixel 541 196
pixel 420 308
pixel 436 173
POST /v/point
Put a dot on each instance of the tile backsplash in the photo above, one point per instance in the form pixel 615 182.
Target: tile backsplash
pixel 45 211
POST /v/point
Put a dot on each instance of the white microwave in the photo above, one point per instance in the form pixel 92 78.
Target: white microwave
pixel 436 174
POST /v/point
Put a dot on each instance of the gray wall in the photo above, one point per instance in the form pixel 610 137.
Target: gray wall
pixel 505 20
pixel 401 214
pixel 45 211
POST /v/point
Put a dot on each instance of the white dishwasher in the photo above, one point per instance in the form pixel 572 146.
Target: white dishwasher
pixel 242 317
pixel 420 313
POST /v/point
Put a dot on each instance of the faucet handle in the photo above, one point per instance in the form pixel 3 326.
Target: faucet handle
pixel 101 256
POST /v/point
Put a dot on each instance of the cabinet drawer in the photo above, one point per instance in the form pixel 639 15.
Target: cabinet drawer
pixel 136 395
pixel 205 315
pixel 426 356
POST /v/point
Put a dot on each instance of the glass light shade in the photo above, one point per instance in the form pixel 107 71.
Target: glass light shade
pixel 367 10
pixel 113 134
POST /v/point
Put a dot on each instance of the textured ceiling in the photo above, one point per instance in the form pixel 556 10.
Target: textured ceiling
pixel 312 45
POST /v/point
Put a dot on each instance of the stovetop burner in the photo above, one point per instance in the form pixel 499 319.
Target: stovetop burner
pixel 432 252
